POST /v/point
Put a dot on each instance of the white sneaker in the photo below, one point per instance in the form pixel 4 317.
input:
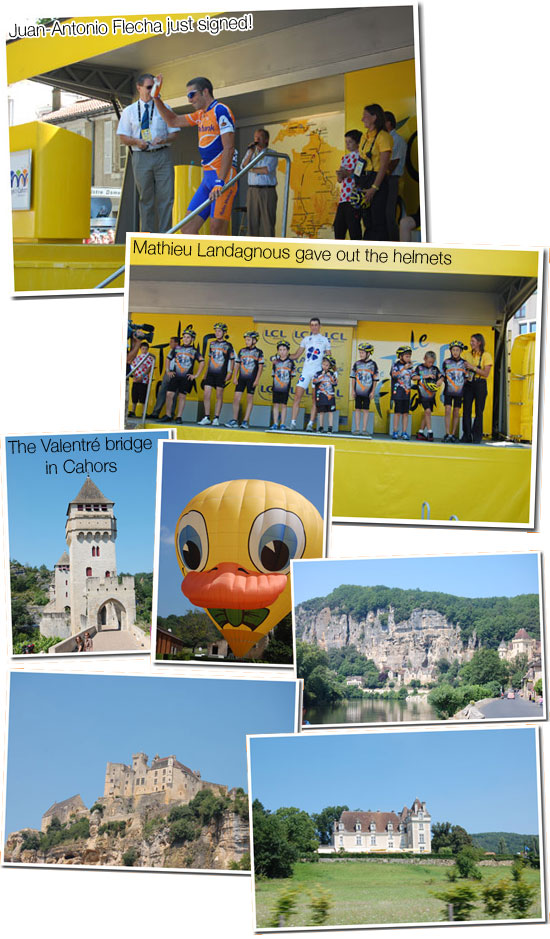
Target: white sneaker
pixel 293 425
pixel 205 421
pixel 216 422
pixel 310 425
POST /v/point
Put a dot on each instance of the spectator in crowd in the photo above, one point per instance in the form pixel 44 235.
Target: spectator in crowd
pixel 144 130
pixel 395 172
pixel 348 213
pixel 479 364
pixel 141 369
pixel 375 152
pixel 261 198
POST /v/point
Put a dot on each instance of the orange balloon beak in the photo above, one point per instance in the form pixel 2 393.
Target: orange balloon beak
pixel 228 586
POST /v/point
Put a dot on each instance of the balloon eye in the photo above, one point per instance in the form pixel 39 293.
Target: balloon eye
pixel 192 541
pixel 276 538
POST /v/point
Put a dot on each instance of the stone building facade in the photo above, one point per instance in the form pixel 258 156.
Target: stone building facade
pixel 86 592
pixel 65 811
pixel 384 832
pixel 166 776
pixel 520 644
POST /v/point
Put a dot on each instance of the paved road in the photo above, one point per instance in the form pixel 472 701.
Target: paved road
pixel 502 707
pixel 117 640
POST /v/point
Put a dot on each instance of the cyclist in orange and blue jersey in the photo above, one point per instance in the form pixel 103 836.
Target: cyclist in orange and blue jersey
pixel 283 372
pixel 401 374
pixel 364 378
pixel 216 127
pixel 455 373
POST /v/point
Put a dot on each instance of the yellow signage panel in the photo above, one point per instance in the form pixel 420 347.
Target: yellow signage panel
pixel 186 251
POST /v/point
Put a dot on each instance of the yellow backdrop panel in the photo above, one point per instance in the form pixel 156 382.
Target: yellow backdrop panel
pixel 386 337
pixel 522 386
pixel 388 479
pixel 393 88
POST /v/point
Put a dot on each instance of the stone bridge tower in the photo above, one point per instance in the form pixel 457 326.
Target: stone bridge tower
pixel 91 534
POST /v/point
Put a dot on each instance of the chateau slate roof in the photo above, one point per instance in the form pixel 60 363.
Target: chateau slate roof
pixel 163 761
pixel 74 800
pixel 522 634
pixel 64 559
pixel 380 819
pixel 90 493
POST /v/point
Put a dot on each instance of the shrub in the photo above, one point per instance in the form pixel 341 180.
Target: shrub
pixel 242 865
pixel 130 857
pixel 285 906
pixel 30 841
pixel 183 830
pixel 459 902
pixel 466 866
pixel 494 896
pixel 97 807
pixel 521 894
pixel 320 903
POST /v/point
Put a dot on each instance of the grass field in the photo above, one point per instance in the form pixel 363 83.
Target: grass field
pixel 371 892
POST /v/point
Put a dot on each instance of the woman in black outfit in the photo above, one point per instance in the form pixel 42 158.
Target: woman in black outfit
pixel 480 364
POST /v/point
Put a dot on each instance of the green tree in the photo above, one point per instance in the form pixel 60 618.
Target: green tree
pixel 459 900
pixel 446 700
pixel 274 855
pixel 325 819
pixel 466 866
pixel 494 897
pixel 502 849
pixel 299 829
pixel 130 857
pixel 452 836
pixel 484 666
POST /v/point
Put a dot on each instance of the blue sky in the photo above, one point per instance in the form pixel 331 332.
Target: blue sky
pixel 188 468
pixel 64 728
pixel 37 503
pixel 477 575
pixel 484 780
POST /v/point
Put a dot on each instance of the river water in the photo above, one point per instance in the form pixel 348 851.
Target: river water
pixel 358 711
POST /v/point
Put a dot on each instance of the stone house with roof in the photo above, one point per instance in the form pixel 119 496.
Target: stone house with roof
pixel 384 832
pixel 166 779
pixel 63 811
pixel 520 644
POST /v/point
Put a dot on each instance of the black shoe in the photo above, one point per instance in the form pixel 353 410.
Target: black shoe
pixel 131 413
pixel 465 439
pixel 178 420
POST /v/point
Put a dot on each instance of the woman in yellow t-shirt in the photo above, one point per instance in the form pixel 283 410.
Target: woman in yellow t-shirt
pixel 375 152
pixel 480 364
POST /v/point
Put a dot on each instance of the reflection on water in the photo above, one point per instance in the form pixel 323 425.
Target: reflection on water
pixel 358 711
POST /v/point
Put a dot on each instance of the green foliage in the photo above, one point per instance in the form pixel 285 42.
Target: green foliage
pixel 521 894
pixel 447 700
pixel 320 903
pixel 494 896
pixel 41 643
pixel 97 807
pixel 194 628
pixel 113 828
pixel 151 826
pixel 462 898
pixel 130 857
pixel 143 584
pixel 512 841
pixel 279 650
pixel 299 830
pixel 274 855
pixel 324 821
pixel 538 686
pixel 493 618
pixel 285 906
pixel 466 866
pixel 30 841
pixel 445 835
pixel 242 865
pixel 59 833
pixel 186 821
pixel 484 666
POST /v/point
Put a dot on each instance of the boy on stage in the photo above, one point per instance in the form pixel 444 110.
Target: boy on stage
pixel 401 374
pixel 249 365
pixel 220 360
pixel 429 379
pixel 364 377
pixel 455 371
pixel 324 384
pixel 284 370
pixel 182 378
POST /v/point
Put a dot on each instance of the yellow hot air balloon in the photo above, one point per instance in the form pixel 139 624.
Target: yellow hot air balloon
pixel 234 543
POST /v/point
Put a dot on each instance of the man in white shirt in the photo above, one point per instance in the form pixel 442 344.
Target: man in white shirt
pixel 261 198
pixel 315 346
pixel 142 128
pixel 395 170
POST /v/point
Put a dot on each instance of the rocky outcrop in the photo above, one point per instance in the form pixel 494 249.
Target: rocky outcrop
pixel 146 840
pixel 408 645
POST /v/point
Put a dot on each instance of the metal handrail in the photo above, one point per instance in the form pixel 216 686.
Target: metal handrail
pixel 199 209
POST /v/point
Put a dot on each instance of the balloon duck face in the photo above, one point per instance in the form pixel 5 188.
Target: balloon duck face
pixel 234 543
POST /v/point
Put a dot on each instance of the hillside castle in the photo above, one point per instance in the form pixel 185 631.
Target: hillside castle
pixel 383 832
pixel 406 650
pixel 86 592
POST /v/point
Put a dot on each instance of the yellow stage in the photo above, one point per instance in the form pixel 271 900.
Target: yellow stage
pixel 65 266
pixel 387 479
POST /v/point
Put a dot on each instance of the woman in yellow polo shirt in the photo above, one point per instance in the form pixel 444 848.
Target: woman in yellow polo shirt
pixel 480 364
pixel 371 172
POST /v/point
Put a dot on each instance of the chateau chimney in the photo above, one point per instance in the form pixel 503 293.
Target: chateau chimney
pixel 56 99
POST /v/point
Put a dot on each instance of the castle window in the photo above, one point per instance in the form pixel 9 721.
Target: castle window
pixel 421 839
pixel 421 826
pixel 97 552
pixel 390 826
pixel 372 826
pixel 80 508
pixel 357 826
pixel 103 508
pixel 88 508
pixel 390 844
pixel 96 508
pixel 341 839
pixel 107 574
pixel 340 826
pixel 88 572
pixel 358 840
pixel 373 839
pixel 421 814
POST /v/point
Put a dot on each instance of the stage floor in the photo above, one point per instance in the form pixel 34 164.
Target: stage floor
pixel 380 479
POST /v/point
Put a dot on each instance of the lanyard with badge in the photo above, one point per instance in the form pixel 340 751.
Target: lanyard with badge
pixel 145 122
pixel 360 167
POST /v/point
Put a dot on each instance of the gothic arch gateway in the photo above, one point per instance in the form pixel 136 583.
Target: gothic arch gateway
pixel 112 615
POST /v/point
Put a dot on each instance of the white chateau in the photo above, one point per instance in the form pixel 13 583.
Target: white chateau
pixel 86 593
pixel 381 832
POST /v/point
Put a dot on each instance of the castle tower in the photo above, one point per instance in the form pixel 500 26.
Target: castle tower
pixel 91 534
pixel 60 589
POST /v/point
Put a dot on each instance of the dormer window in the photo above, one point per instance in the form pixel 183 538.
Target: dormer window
pixel 372 826
pixel 340 826
pixel 357 826
pixel 401 828
pixel 421 814
pixel 390 826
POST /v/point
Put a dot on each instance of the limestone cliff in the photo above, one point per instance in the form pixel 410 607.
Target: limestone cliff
pixel 144 839
pixel 411 644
